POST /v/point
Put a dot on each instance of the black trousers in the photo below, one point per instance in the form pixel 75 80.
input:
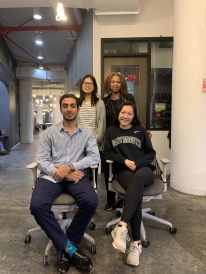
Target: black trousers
pixel 134 183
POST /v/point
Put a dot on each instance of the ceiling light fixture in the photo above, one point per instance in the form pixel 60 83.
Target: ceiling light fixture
pixel 40 54
pixel 40 67
pixel 60 12
pixel 36 13
pixel 38 38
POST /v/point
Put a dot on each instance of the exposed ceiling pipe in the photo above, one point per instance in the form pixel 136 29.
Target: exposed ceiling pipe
pixel 24 23
pixel 39 28
pixel 70 37
pixel 6 36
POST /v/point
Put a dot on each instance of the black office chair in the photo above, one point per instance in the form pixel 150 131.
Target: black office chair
pixel 151 192
pixel 63 204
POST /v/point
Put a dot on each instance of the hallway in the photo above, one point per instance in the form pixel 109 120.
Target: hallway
pixel 182 253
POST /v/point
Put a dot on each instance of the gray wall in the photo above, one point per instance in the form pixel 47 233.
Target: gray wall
pixel 4 108
pixel 80 60
pixel 9 92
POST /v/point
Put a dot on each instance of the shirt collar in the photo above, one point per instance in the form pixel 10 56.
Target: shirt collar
pixel 61 126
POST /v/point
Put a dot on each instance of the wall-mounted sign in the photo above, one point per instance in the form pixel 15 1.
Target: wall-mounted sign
pixel 160 106
pixel 131 77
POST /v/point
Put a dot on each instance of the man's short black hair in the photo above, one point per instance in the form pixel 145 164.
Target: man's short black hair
pixel 69 95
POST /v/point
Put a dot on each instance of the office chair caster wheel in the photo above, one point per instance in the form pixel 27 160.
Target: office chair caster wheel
pixel 92 226
pixel 109 230
pixel 145 243
pixel 93 250
pixel 152 213
pixel 118 214
pixel 46 260
pixel 172 230
pixel 27 239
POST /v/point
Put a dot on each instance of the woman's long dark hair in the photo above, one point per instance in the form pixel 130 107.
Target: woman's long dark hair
pixel 135 120
pixel 94 97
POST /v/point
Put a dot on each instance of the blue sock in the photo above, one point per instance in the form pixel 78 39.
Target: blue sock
pixel 70 248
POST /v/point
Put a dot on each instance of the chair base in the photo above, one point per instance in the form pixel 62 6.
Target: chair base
pixel 146 213
pixel 64 224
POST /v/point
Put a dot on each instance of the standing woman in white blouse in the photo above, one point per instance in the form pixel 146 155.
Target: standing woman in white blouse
pixel 92 110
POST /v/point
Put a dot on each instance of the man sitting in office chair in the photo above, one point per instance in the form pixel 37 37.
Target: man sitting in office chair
pixel 65 150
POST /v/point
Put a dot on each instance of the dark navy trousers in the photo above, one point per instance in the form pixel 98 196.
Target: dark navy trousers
pixel 43 196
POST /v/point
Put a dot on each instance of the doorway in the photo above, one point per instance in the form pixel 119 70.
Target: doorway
pixel 134 70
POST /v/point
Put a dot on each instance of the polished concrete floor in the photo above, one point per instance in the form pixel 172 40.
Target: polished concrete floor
pixel 182 253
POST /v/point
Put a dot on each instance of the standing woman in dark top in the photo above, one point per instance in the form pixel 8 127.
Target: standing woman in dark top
pixel 115 87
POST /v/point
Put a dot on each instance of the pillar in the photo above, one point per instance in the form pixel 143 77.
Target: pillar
pixel 26 111
pixel 39 117
pixel 188 150
pixel 57 116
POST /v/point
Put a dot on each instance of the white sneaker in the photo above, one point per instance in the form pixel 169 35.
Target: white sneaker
pixel 119 235
pixel 134 251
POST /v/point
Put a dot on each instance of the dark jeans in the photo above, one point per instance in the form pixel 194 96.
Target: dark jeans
pixel 134 183
pixel 44 194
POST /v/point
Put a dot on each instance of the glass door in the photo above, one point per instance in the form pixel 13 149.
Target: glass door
pixel 135 73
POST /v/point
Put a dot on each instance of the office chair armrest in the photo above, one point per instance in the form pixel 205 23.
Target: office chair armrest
pixel 110 162
pixel 33 168
pixel 93 176
pixel 110 185
pixel 164 162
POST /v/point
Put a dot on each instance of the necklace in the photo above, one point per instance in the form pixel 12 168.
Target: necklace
pixel 113 106
pixel 115 98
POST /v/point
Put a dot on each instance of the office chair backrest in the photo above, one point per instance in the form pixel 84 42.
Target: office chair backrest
pixel 157 171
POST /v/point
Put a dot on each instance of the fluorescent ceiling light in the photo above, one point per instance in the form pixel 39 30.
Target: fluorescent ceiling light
pixel 36 13
pixel 38 38
pixel 40 56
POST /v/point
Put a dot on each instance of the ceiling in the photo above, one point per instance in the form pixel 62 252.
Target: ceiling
pixel 56 44
pixel 20 37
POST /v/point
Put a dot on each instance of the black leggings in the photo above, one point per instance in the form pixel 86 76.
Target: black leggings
pixel 134 184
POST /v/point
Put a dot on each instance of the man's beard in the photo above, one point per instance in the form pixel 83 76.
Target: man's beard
pixel 71 119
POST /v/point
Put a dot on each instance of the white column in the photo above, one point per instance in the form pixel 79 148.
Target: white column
pixel 26 111
pixel 39 118
pixel 57 116
pixel 188 151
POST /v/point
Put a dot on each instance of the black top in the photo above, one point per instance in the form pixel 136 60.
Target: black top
pixel 112 105
pixel 133 144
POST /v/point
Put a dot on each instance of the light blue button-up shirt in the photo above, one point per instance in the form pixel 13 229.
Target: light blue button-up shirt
pixel 58 148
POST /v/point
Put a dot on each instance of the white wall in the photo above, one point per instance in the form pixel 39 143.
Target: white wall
pixel 155 19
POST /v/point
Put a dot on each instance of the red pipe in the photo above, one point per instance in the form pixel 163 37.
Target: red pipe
pixel 23 23
pixel 6 36
pixel 38 28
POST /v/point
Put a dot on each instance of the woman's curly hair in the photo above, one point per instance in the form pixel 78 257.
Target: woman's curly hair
pixel 123 88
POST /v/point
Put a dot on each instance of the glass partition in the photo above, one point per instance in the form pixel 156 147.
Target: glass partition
pixel 161 84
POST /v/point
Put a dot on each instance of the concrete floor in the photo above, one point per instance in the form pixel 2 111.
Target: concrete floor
pixel 182 253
